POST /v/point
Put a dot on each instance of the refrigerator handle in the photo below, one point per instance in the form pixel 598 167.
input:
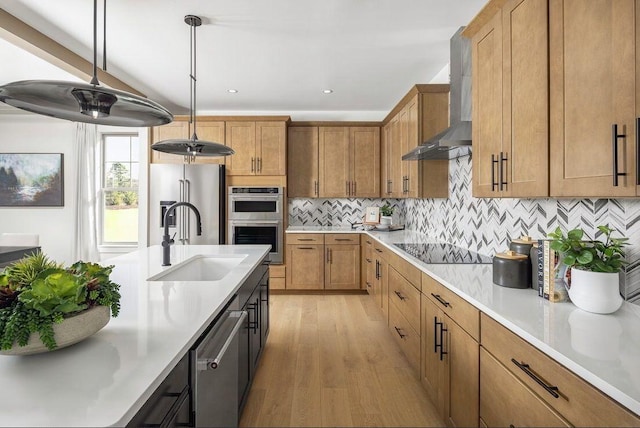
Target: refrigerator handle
pixel 181 220
pixel 187 213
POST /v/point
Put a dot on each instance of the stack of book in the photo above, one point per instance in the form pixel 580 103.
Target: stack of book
pixel 551 273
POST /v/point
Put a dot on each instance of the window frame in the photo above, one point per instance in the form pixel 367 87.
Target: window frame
pixel 103 189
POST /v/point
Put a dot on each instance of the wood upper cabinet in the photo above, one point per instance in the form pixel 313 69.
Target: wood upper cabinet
pixel 334 163
pixel 385 164
pixel 594 86
pixel 511 102
pixel 180 129
pixel 421 114
pixel 302 162
pixel 260 148
pixel 349 162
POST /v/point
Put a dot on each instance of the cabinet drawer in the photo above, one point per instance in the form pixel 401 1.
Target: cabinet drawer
pixel 462 312
pixel 405 297
pixel 579 402
pixel 277 271
pixel 505 401
pixel 366 240
pixel 405 336
pixel 342 238
pixel 406 269
pixel 305 238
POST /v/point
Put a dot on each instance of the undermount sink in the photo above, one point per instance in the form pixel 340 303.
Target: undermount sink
pixel 201 268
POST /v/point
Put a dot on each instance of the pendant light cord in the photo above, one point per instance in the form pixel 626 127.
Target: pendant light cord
pixel 94 79
pixel 104 35
pixel 193 80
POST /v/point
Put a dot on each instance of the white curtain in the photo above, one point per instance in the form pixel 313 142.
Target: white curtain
pixel 86 240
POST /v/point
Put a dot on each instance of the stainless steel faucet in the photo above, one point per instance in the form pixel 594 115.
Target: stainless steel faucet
pixel 166 239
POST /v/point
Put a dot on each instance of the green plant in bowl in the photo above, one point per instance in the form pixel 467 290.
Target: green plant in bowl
pixel 36 293
pixel 386 210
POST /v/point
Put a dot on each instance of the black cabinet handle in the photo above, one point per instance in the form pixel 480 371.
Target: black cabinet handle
pixel 442 351
pixel 399 331
pixel 435 334
pixel 252 308
pixel 503 160
pixel 614 143
pixel 494 161
pixel 553 390
pixel 441 300
pixel 368 260
pixel 305 239
pixel 377 269
pixel 304 248
pixel 378 250
pixel 343 239
pixel 368 284
pixel 400 296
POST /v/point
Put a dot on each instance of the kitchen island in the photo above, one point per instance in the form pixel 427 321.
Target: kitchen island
pixel 105 380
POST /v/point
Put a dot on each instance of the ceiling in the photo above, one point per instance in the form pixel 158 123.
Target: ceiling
pixel 279 54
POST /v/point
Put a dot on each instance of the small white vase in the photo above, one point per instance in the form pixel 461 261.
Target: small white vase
pixel 597 292
pixel 386 220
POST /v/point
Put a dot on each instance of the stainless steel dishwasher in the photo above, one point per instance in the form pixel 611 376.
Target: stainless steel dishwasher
pixel 215 375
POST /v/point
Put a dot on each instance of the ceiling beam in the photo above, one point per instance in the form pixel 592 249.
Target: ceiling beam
pixel 28 38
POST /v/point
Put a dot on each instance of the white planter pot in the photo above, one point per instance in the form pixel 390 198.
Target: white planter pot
pixel 386 220
pixel 596 292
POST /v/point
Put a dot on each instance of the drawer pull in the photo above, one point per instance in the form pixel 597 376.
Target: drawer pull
pixel 553 390
pixel 368 284
pixel 368 260
pixel 441 300
pixel 378 250
pixel 305 248
pixel 400 296
pixel 304 239
pixel 399 330
pixel 343 239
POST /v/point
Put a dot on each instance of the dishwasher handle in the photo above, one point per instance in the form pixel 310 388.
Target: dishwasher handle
pixel 213 363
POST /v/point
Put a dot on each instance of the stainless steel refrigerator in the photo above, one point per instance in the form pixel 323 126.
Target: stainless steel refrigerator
pixel 203 185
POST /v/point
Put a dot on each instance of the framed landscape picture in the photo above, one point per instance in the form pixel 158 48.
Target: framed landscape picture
pixel 31 180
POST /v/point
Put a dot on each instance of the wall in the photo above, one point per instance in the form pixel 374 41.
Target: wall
pixel 487 225
pixel 38 134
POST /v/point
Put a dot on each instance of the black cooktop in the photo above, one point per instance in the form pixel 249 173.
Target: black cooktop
pixel 443 253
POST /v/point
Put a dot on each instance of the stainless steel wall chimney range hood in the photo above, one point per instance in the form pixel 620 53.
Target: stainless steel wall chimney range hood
pixel 455 141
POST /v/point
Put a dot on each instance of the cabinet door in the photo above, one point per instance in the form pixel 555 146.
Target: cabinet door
pixel 305 267
pixel 241 137
pixel 342 269
pixel 486 47
pixel 302 161
pixel 214 132
pixel 171 131
pixel 526 98
pixel 410 168
pixel 385 161
pixel 592 87
pixel 402 149
pixel 505 401
pixel 270 148
pixel 432 371
pixel 463 372
pixel 334 162
pixel 365 165
pixel 395 158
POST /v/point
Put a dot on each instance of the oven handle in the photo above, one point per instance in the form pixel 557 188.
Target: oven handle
pixel 255 199
pixel 214 363
pixel 255 223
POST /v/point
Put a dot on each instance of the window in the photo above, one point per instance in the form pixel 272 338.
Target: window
pixel 119 195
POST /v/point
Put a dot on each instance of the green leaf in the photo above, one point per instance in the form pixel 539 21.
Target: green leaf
pixel 585 257
pixel 575 234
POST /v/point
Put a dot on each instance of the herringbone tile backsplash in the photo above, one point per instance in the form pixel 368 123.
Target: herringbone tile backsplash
pixel 488 225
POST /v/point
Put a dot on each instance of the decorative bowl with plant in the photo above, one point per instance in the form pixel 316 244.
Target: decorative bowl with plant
pixel 386 210
pixel 36 294
pixel 592 277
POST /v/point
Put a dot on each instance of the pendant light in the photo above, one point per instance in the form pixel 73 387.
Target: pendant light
pixel 192 147
pixel 81 102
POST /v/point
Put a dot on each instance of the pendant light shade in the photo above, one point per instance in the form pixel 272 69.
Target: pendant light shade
pixel 82 102
pixel 192 147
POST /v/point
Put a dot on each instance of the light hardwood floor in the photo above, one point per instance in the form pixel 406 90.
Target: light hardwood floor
pixel 330 360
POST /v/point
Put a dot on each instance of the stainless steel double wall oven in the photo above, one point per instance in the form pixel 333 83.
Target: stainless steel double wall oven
pixel 256 216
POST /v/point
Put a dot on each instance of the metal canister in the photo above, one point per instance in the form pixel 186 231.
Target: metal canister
pixel 511 269
pixel 522 245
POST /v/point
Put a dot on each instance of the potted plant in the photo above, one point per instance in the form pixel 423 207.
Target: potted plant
pixel 592 277
pixel 386 212
pixel 44 306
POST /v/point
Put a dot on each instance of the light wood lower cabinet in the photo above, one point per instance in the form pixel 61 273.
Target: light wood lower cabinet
pixel 405 336
pixel 449 370
pixel 505 401
pixel 323 262
pixel 570 396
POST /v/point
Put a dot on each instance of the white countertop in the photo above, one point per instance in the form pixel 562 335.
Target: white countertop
pixel 105 379
pixel 602 349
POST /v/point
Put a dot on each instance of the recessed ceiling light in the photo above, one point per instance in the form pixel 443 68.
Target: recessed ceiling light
pixel 327 91
pixel 232 91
